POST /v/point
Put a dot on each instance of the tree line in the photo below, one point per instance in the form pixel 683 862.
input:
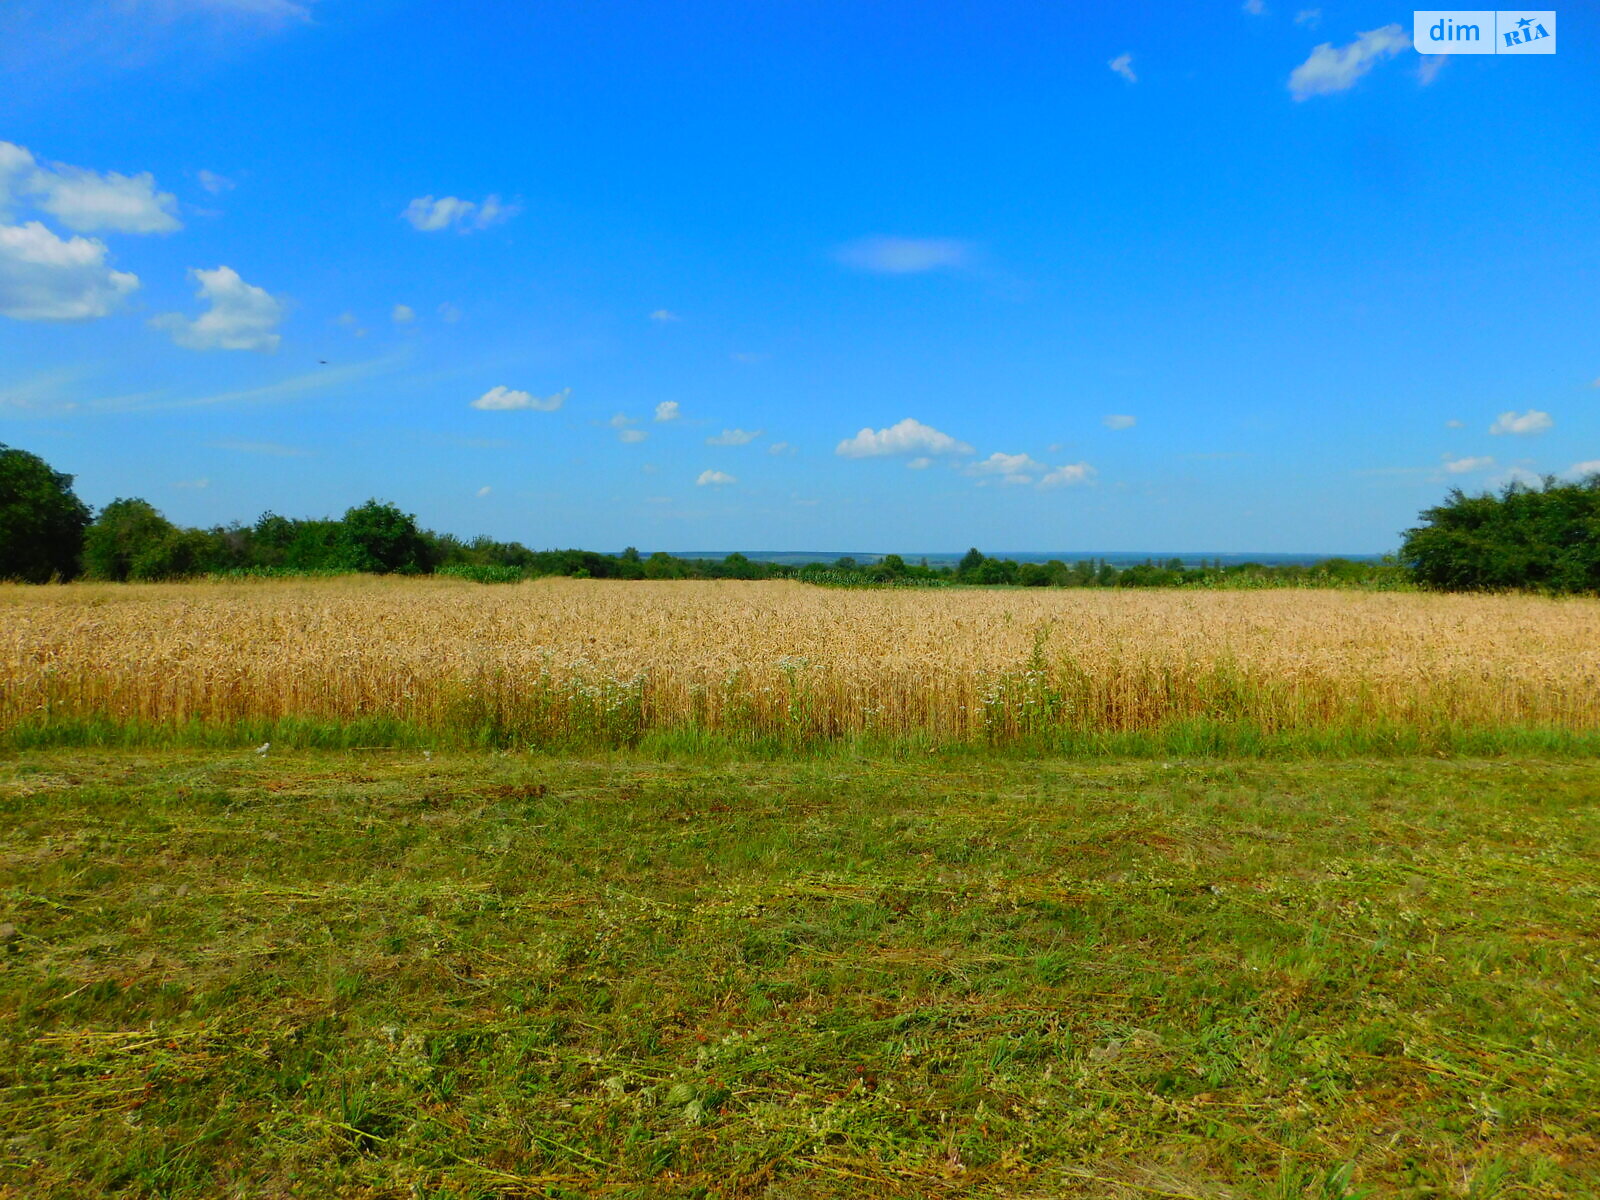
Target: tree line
pixel 1544 538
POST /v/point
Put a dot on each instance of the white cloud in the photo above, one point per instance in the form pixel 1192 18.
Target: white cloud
pixel 632 436
pixel 662 314
pixel 89 202
pixel 47 278
pixel 504 399
pixel 1582 469
pixel 1069 475
pixel 667 410
pixel 429 215
pixel 86 201
pixel 905 437
pixel 1119 421
pixel 195 484
pixel 1011 468
pixel 242 316
pixel 714 479
pixel 1430 67
pixel 1309 17
pixel 1453 424
pixel 1337 68
pixel 1122 64
pixel 779 448
pixel 403 314
pixel 1255 8
pixel 214 183
pixel 919 464
pixel 903 256
pixel 1532 421
pixel 449 313
pixel 734 437
pixel 1460 466
pixel 485 490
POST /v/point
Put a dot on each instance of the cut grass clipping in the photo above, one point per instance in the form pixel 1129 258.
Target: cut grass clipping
pixel 502 976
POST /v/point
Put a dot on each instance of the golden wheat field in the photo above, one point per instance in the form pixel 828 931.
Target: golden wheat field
pixel 562 658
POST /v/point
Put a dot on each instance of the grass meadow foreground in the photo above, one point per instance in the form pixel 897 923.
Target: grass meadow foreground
pixel 375 975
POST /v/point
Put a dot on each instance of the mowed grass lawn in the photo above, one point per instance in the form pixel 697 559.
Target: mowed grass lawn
pixel 503 975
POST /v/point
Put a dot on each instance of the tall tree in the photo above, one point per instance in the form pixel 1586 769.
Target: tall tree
pixel 41 519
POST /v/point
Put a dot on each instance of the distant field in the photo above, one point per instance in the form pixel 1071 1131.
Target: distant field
pixel 502 976
pixel 575 662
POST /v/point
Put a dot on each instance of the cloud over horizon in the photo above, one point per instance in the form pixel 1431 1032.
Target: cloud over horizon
pixel 503 399
pixel 904 437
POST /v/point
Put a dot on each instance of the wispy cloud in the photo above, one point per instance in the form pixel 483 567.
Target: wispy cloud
pixel 428 215
pixel 1463 466
pixel 1119 421
pixel 714 479
pixel 214 183
pixel 664 315
pixel 1338 68
pixel 1532 421
pixel 1584 469
pixel 403 314
pixel 1256 8
pixel 1310 18
pixel 623 424
pixel 905 437
pixel 667 410
pixel 322 379
pixel 1122 64
pixel 1428 70
pixel 734 437
pixel 904 256
pixel 269 449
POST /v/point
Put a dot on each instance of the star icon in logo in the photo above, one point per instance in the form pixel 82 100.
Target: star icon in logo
pixel 1525 22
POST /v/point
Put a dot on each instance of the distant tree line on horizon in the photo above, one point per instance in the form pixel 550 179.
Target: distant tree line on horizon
pixel 1545 539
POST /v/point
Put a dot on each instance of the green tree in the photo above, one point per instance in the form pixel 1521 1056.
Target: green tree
pixel 377 537
pixel 126 534
pixel 971 562
pixel 1545 538
pixel 41 519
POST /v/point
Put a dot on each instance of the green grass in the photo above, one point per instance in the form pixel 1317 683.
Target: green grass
pixel 1224 738
pixel 368 974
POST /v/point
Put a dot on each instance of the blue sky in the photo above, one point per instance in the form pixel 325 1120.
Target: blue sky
pixel 1146 276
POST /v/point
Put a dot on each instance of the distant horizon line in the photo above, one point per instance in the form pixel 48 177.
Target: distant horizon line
pixel 1064 555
